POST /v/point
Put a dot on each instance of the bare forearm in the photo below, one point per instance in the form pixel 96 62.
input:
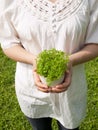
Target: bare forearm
pixel 18 53
pixel 88 53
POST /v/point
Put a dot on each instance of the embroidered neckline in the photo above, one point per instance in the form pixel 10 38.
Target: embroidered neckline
pixel 45 9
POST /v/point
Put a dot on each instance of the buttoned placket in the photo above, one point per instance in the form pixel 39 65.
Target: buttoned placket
pixel 53 20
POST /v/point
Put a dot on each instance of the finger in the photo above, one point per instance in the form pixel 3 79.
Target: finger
pixel 36 76
pixel 47 90
pixel 38 81
pixel 56 90
pixel 67 82
pixel 68 78
pixel 68 73
pixel 41 85
pixel 64 85
pixel 43 90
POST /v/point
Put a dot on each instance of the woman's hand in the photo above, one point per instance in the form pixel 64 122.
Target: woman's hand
pixel 40 86
pixel 67 81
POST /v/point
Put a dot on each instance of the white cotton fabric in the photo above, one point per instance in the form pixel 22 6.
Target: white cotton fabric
pixel 65 25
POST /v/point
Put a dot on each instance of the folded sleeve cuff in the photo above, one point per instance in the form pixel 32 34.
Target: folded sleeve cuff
pixel 92 31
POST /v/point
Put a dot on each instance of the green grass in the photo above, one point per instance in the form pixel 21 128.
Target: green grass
pixel 11 118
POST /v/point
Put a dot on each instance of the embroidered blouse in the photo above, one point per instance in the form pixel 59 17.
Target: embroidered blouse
pixel 40 24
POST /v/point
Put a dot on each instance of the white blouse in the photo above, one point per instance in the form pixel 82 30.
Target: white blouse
pixel 40 24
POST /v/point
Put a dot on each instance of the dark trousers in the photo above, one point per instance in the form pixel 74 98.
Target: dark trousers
pixel 45 124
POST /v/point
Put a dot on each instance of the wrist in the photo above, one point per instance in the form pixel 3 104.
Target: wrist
pixel 71 61
pixel 34 57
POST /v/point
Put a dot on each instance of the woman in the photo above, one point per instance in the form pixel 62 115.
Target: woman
pixel 28 27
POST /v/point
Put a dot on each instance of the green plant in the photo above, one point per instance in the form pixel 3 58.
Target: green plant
pixel 52 64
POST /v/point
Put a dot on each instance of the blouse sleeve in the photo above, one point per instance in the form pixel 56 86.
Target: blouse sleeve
pixel 8 34
pixel 92 31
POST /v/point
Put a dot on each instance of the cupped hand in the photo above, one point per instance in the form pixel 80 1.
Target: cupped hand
pixel 66 83
pixel 40 86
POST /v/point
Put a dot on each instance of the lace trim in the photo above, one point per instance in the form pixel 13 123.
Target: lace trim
pixel 45 10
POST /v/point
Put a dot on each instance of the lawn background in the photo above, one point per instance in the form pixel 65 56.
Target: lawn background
pixel 11 118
